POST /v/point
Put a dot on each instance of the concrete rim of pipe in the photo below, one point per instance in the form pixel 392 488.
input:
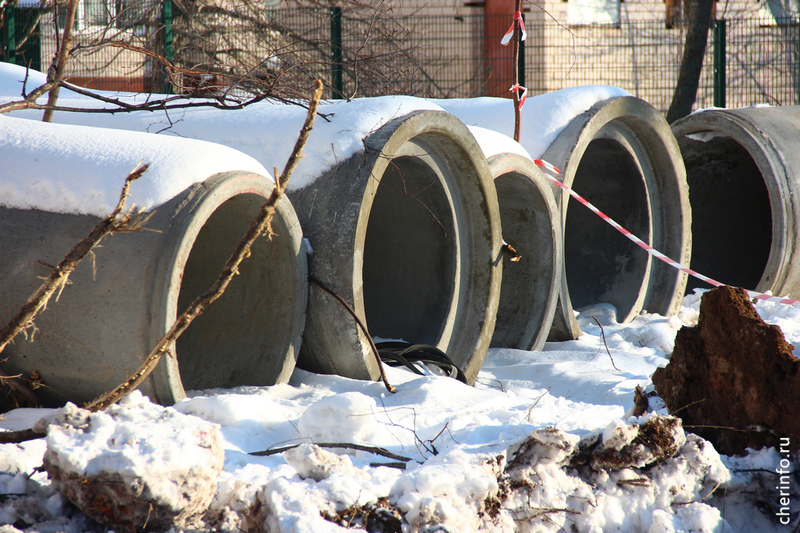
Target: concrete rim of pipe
pixel 741 166
pixel 408 233
pixel 531 224
pixel 106 323
pixel 621 156
pixel 255 328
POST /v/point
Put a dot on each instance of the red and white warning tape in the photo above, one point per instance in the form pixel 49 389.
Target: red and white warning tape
pixel 510 33
pixel 646 247
pixel 517 88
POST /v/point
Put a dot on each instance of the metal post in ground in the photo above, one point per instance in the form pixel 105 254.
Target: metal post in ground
pixel 337 84
pixel 719 63
pixel 168 50
pixel 9 40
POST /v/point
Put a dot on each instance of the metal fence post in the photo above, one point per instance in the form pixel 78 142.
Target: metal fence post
pixel 337 84
pixel 9 40
pixel 168 49
pixel 719 63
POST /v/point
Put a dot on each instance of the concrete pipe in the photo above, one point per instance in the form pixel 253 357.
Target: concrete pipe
pixel 407 232
pixel 622 157
pixel 742 166
pixel 122 300
pixel 531 224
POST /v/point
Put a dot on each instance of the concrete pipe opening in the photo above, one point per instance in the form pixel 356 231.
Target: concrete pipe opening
pixel 621 156
pixel 742 167
pixel 110 318
pixel 531 225
pixel 602 265
pixel 408 234
pixel 410 257
pixel 246 328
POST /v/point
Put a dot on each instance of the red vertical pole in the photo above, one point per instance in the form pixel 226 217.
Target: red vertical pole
pixel 498 68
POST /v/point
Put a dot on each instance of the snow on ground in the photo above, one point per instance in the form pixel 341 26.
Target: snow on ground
pixel 461 441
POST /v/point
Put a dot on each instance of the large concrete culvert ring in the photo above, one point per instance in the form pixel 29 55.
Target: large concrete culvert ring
pixel 621 156
pixel 742 167
pixel 123 301
pixel 532 226
pixel 408 234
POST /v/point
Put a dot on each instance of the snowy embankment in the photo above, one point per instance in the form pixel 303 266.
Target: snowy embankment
pixel 494 457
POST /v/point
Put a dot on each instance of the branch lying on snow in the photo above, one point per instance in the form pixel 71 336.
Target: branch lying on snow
pixel 56 281
pixel 372 449
pixel 261 225
pixel 15 437
pixel 542 512
pixel 701 498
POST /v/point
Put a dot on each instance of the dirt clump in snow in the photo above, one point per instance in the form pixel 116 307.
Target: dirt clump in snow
pixel 653 438
pixel 733 379
pixel 135 466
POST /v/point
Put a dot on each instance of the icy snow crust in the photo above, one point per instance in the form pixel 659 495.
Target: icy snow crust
pixel 460 440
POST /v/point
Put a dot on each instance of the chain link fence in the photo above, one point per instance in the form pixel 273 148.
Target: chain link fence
pixel 246 49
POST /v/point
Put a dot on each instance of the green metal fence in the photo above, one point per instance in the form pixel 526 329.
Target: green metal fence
pixel 748 61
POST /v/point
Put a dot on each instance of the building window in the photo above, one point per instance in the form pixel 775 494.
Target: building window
pixel 780 12
pixel 96 14
pixel 591 12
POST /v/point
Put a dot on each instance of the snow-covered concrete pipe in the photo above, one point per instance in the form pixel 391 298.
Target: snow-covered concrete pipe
pixel 532 226
pixel 742 166
pixel 621 156
pixel 408 233
pixel 127 295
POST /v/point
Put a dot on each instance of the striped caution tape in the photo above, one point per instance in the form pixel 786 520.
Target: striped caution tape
pixel 522 93
pixel 510 33
pixel 643 245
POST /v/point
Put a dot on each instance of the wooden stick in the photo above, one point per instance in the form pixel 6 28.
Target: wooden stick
pixel 386 383
pixel 348 446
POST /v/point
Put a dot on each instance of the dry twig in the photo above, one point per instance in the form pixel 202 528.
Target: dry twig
pixel 349 446
pixel 261 225
pixel 56 72
pixel 701 498
pixel 603 334
pixel 338 298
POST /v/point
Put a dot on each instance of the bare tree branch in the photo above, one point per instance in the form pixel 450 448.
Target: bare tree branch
pixel 348 446
pixel 260 226
pixel 56 72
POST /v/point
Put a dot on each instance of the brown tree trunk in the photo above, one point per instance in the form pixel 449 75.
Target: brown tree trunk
pixel 694 49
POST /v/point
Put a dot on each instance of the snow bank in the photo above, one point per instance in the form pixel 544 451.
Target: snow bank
pixel 135 463
pixel 464 470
